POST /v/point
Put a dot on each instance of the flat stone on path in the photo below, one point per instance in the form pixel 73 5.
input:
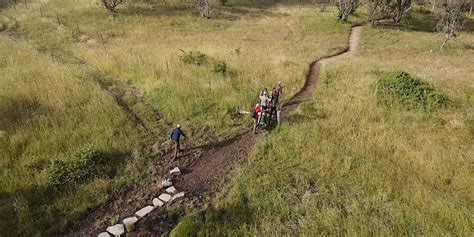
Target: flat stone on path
pixel 144 211
pixel 175 171
pixel 130 223
pixel 166 183
pixel 116 230
pixel 103 234
pixel 171 190
pixel 165 197
pixel 157 202
pixel 178 196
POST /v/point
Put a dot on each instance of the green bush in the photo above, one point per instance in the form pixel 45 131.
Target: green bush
pixel 412 93
pixel 220 67
pixel 194 57
pixel 82 167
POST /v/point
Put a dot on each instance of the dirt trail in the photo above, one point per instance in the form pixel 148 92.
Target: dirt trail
pixel 207 173
pixel 204 168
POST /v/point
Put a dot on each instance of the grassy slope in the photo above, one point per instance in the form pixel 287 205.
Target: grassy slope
pixel 49 114
pixel 142 49
pixel 43 75
pixel 371 170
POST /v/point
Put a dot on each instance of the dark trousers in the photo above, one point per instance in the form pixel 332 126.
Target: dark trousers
pixel 176 148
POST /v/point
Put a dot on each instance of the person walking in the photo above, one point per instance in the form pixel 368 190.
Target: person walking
pixel 175 136
pixel 276 92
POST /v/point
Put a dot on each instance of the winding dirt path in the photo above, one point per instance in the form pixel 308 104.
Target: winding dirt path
pixel 205 175
pixel 204 168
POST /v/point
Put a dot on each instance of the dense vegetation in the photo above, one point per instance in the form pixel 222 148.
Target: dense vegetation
pixel 412 93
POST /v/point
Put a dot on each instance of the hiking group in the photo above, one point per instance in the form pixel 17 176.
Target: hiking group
pixel 266 111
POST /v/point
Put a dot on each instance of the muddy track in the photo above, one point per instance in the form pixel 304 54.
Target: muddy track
pixel 204 169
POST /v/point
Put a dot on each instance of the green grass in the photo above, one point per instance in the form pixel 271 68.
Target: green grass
pixel 141 47
pixel 57 82
pixel 369 169
pixel 49 111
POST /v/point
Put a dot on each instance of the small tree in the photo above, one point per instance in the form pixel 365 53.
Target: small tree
pixel 388 9
pixel 451 19
pixel 111 4
pixel 399 9
pixel 204 8
pixel 345 8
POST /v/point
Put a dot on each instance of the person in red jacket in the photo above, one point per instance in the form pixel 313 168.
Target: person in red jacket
pixel 256 112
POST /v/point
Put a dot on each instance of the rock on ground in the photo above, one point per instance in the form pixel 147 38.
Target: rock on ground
pixel 144 211
pixel 178 196
pixel 171 190
pixel 103 234
pixel 130 223
pixel 116 230
pixel 157 202
pixel 166 183
pixel 165 197
pixel 175 171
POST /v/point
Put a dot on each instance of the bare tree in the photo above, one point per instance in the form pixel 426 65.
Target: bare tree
pixel 204 8
pixel 111 4
pixel 388 9
pixel 470 8
pixel 451 19
pixel 345 8
pixel 399 9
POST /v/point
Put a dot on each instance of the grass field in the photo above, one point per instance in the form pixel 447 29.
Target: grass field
pixel 59 78
pixel 346 165
pixel 49 111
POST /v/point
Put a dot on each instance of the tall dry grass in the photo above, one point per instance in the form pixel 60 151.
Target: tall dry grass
pixel 365 169
pixel 48 111
pixel 54 105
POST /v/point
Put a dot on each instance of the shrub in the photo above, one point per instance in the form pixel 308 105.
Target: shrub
pixel 81 168
pixel 412 93
pixel 220 67
pixel 194 57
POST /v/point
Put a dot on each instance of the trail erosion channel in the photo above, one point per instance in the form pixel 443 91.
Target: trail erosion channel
pixel 202 171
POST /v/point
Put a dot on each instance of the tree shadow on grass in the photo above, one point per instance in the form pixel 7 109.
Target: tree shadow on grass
pixel 421 20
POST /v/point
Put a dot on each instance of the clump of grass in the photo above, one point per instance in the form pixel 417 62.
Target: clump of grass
pixel 81 168
pixel 220 67
pixel 194 57
pixel 410 92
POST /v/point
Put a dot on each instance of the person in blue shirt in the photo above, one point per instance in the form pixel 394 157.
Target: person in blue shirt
pixel 175 135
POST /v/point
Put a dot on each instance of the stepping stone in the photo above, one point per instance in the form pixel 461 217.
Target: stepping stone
pixel 178 196
pixel 165 197
pixel 116 230
pixel 175 171
pixel 144 211
pixel 157 202
pixel 103 234
pixel 129 223
pixel 171 190
pixel 166 183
